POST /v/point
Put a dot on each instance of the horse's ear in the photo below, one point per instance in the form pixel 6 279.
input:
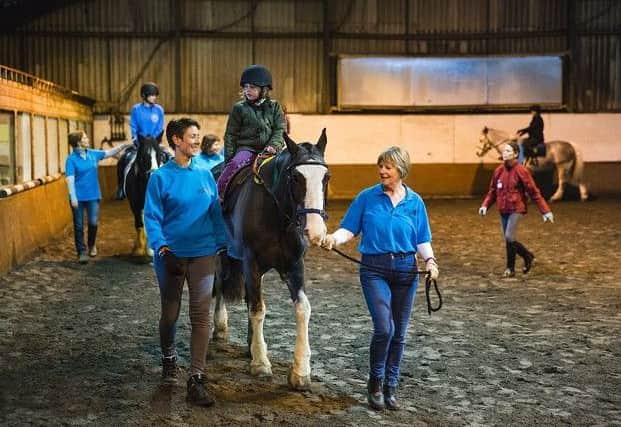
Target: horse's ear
pixel 485 129
pixel 321 143
pixel 292 147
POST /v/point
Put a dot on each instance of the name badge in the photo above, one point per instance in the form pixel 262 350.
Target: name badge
pixel 499 184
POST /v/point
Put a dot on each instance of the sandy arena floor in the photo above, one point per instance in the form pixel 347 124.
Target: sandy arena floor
pixel 79 344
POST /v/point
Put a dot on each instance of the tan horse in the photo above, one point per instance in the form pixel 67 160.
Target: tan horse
pixel 563 155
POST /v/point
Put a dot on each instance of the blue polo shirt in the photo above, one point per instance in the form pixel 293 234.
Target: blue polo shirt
pixel 84 171
pixel 384 228
pixel 209 160
pixel 146 120
pixel 182 210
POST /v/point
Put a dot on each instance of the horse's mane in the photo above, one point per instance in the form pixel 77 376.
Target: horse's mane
pixel 497 134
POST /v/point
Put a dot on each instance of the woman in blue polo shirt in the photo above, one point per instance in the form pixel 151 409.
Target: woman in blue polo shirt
pixel 394 226
pixel 84 193
pixel 185 227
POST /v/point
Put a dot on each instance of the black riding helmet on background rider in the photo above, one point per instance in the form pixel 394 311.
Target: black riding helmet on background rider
pixel 148 89
pixel 256 75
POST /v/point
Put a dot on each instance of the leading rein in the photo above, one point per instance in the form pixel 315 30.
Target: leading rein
pixel 428 280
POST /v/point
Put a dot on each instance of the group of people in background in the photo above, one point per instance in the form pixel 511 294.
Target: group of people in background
pixel 185 227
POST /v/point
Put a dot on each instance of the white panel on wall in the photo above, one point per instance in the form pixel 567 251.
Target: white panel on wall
pixel 52 146
pixel 25 142
pixel 63 132
pixel 38 138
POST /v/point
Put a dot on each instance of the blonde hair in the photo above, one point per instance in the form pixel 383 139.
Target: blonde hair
pixel 398 157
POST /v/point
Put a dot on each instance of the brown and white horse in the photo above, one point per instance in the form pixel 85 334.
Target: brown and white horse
pixel 563 155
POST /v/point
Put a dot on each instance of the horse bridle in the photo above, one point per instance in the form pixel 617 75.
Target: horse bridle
pixel 300 212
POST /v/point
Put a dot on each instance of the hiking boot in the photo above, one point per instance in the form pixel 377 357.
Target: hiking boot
pixel 508 273
pixel 197 393
pixel 169 370
pixel 92 251
pixel 374 394
pixel 390 398
pixel 83 258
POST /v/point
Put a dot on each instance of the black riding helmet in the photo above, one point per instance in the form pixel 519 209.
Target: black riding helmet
pixel 148 89
pixel 536 108
pixel 256 75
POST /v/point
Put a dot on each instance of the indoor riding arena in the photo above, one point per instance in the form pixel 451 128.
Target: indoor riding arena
pixel 450 81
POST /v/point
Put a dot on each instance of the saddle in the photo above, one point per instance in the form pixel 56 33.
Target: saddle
pixel 267 175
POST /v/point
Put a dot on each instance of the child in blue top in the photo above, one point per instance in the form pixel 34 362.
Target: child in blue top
pixel 146 120
pixel 394 225
pixel 84 193
pixel 185 228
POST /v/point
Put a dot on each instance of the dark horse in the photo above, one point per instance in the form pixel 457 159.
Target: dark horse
pixel 271 223
pixel 148 158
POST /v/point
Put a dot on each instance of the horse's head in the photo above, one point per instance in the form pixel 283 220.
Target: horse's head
pixel 308 177
pixel 485 143
pixel 148 157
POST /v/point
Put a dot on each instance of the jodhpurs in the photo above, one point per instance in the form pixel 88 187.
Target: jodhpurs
pixel 199 273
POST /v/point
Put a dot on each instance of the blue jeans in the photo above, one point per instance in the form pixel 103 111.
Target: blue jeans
pixel 390 297
pixel 92 210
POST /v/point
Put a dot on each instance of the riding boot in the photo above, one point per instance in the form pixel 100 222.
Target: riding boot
pixel 92 236
pixel 120 172
pixel 390 398
pixel 527 255
pixel 375 396
pixel 511 251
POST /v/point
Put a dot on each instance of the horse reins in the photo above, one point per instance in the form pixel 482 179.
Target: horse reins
pixel 428 280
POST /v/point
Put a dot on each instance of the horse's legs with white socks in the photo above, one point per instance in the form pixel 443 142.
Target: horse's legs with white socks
pixel 299 373
pixel 260 364
pixel 558 194
pixel 221 317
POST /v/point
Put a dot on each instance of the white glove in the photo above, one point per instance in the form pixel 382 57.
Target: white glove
pixel 482 211
pixel 548 216
pixel 328 242
pixel 432 267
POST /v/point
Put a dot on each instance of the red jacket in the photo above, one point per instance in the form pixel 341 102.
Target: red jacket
pixel 509 187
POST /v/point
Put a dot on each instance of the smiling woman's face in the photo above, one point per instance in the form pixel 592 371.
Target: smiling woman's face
pixel 388 173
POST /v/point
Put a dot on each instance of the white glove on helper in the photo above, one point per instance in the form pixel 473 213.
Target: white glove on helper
pixel 548 216
pixel 482 211
pixel 432 267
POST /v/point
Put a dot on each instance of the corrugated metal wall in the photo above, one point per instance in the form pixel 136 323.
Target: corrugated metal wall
pixel 195 49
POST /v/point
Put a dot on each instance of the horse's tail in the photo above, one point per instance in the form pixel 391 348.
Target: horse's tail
pixel 232 280
pixel 578 166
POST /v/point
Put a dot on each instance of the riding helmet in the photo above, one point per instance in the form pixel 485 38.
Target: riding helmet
pixel 148 89
pixel 256 75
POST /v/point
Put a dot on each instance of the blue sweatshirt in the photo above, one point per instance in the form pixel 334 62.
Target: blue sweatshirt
pixel 182 211
pixel 146 121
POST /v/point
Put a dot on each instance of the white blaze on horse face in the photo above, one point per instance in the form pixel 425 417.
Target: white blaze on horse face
pixel 315 228
pixel 153 160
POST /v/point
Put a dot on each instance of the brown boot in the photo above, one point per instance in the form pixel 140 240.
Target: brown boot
pixel 197 393
pixel 390 398
pixel 375 395
pixel 169 370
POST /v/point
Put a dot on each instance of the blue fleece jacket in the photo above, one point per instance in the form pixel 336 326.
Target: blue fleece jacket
pixel 182 211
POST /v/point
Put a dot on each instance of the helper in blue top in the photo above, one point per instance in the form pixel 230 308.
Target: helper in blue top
pixel 211 155
pixel 146 120
pixel 184 224
pixel 84 193
pixel 394 225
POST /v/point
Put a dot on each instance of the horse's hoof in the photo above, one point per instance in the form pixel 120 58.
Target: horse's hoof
pixel 298 382
pixel 261 370
pixel 222 335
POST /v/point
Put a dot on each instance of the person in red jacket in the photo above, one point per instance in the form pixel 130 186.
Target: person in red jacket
pixel 510 185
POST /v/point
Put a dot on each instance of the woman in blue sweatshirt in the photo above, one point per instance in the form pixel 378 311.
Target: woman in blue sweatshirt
pixel 184 224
